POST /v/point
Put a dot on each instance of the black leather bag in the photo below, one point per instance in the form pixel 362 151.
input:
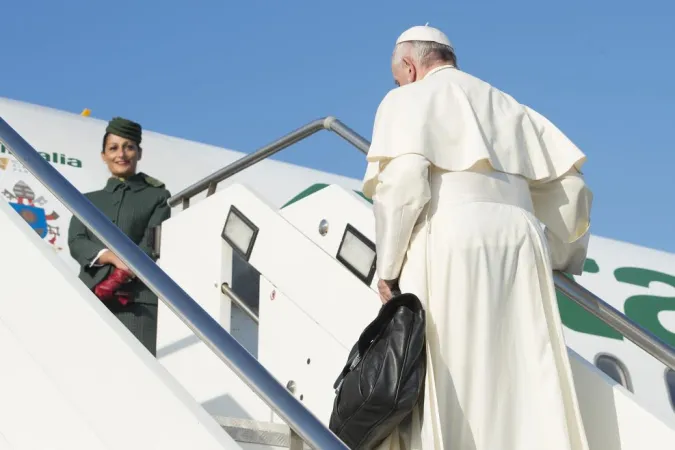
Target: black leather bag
pixel 384 376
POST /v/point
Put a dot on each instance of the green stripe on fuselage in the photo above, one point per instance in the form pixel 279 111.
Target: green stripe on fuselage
pixel 314 189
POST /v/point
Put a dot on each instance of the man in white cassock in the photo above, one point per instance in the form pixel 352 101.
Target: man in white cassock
pixel 477 199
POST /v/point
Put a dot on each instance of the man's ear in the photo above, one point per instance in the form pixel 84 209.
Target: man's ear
pixel 412 71
pixel 140 153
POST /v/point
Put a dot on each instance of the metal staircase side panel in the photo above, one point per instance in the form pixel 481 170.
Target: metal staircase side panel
pixel 612 418
pixel 73 377
pixel 195 256
pixel 25 389
pixel 314 287
pixel 299 350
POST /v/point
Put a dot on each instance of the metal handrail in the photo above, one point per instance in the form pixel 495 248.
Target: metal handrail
pixel 227 290
pixel 580 295
pixel 615 319
pixel 259 379
pixel 211 181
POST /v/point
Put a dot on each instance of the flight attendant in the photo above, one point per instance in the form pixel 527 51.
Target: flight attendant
pixel 136 203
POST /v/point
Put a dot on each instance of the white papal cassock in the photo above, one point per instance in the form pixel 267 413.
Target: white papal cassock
pixel 477 200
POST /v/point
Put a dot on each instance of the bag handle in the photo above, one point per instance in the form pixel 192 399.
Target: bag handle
pixel 375 328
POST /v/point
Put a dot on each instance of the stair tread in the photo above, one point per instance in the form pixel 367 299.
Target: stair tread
pixel 257 432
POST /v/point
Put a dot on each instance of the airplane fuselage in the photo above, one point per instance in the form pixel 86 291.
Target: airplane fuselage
pixel 638 281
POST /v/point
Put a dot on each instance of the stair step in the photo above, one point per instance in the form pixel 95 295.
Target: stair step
pixel 262 433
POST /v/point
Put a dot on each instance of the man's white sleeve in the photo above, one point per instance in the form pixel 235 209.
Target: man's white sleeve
pixel 564 206
pixel 401 193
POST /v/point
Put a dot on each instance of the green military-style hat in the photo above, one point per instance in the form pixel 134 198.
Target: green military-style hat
pixel 125 128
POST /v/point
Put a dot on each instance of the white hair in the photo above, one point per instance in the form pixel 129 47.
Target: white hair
pixel 423 52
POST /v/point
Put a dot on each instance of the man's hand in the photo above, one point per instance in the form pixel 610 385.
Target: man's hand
pixel 385 288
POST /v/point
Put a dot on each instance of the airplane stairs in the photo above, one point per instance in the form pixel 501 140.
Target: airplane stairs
pixel 295 287
pixel 313 304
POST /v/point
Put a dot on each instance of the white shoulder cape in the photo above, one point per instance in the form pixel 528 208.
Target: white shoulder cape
pixel 456 120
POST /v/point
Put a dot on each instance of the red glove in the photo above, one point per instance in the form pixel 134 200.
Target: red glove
pixel 123 297
pixel 107 289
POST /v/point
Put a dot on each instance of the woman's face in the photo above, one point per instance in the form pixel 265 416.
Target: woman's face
pixel 121 156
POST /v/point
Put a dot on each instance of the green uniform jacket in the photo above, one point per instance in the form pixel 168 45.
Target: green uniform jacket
pixel 136 206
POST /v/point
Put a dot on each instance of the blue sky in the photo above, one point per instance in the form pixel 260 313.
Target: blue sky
pixel 240 74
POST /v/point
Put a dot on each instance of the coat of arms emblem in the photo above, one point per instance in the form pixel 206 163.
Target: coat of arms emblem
pixel 23 199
